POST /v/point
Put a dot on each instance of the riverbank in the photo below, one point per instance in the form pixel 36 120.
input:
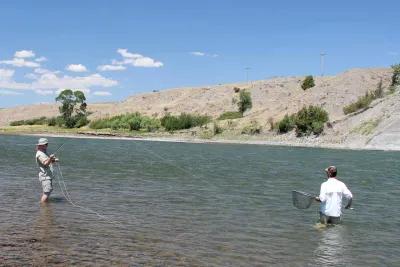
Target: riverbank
pixel 186 137
pixel 376 127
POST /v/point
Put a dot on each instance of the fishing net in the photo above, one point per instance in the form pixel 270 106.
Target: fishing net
pixel 302 200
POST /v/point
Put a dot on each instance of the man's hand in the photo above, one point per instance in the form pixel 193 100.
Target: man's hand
pixel 348 206
pixel 53 158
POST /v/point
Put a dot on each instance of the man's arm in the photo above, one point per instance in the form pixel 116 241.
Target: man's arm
pixel 321 197
pixel 348 206
pixel 348 195
pixel 46 161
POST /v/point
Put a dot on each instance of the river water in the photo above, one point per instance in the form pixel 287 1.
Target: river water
pixel 140 203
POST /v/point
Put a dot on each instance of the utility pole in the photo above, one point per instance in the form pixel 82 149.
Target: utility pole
pixel 322 62
pixel 247 74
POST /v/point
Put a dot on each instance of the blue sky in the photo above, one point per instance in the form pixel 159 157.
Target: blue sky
pixel 113 49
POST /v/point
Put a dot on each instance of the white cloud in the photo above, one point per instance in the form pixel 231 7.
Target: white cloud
pixel 44 92
pixel 84 90
pixel 43 71
pixel 102 93
pixel 40 71
pixel 41 59
pixel 6 81
pixel 132 59
pixel 76 68
pixel 110 67
pixel 197 53
pixel 124 53
pixel 136 60
pixel 20 62
pixel 202 54
pixel 8 92
pixel 10 84
pixel 53 81
pixel 50 81
pixel 6 74
pixel 31 76
pixel 24 54
pixel 145 62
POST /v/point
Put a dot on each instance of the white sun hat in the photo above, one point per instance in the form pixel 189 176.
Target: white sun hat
pixel 42 141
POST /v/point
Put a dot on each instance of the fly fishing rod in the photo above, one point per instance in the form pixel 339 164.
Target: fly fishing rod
pixel 58 148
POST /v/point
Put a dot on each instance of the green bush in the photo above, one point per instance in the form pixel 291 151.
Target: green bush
pixel 81 120
pixel 36 121
pixel 70 122
pixel 217 129
pixel 17 123
pixel 361 103
pixel 150 124
pixel 55 121
pixel 183 121
pixel 245 102
pixel 310 120
pixel 132 122
pixel 308 82
pixel 252 129
pixel 378 93
pixel 230 115
pixel 396 75
pixel 317 127
pixel 100 124
pixel 52 121
pixel 286 124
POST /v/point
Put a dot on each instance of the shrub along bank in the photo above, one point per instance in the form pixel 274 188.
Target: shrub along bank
pixel 309 120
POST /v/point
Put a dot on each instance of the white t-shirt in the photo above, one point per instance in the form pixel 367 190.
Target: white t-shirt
pixel 45 172
pixel 331 194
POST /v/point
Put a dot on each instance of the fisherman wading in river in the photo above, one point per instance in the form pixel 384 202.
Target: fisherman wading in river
pixel 44 162
pixel 331 195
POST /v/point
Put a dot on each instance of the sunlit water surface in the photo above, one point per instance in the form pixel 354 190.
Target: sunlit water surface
pixel 176 204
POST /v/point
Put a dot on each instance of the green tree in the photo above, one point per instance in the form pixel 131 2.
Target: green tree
pixel 308 82
pixel 396 75
pixel 245 102
pixel 73 108
pixel 310 120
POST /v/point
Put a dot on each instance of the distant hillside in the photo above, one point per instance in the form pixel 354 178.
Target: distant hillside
pixel 272 99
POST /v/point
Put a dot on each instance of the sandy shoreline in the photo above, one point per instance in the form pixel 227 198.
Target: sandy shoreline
pixel 208 141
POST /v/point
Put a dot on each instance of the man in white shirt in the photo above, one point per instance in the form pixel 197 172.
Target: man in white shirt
pixel 44 162
pixel 331 195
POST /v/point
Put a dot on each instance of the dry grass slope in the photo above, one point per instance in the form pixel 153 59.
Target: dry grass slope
pixel 272 98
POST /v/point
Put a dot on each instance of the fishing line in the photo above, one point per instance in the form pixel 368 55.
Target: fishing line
pixel 67 196
pixel 184 170
pixel 163 159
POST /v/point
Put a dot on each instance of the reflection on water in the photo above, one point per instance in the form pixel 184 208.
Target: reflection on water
pixel 235 210
pixel 44 225
pixel 44 234
pixel 331 247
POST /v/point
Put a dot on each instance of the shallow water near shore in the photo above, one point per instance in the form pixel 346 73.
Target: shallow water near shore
pixel 181 204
